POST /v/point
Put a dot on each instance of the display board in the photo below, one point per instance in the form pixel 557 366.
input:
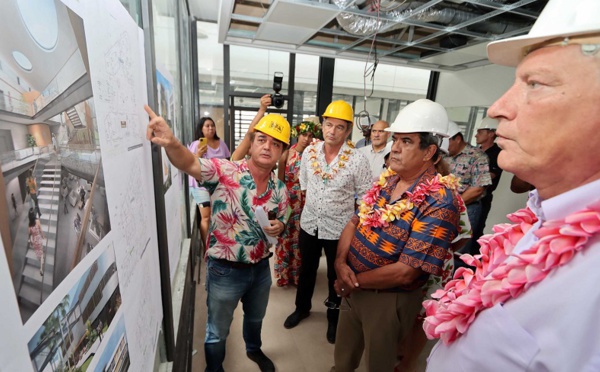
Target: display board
pixel 95 302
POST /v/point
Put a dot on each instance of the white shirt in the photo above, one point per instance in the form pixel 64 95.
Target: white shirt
pixel 553 326
pixel 376 158
pixel 330 204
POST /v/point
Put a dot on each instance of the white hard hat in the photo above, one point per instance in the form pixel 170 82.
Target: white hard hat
pixel 422 115
pixel 560 19
pixel 453 129
pixel 445 145
pixel 488 123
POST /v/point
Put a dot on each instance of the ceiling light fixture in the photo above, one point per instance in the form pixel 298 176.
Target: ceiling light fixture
pixel 41 21
pixel 22 61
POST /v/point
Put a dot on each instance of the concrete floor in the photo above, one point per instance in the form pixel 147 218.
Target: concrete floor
pixel 301 349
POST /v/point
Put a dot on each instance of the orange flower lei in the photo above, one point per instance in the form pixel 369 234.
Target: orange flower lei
pixel 383 216
pixel 312 158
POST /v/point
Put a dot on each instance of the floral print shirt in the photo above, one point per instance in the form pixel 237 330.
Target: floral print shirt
pixel 420 238
pixel 471 165
pixel 234 232
pixel 330 201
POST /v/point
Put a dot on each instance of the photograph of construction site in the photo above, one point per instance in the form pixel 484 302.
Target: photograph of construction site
pixel 54 210
pixel 77 327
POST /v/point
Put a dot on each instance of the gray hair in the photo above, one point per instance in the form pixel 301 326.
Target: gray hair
pixel 427 139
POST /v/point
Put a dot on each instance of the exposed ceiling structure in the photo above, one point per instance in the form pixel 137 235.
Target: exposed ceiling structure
pixel 442 35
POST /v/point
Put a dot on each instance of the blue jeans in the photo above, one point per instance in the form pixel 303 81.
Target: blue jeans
pixel 226 286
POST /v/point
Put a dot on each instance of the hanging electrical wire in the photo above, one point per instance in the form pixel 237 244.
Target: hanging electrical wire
pixel 364 119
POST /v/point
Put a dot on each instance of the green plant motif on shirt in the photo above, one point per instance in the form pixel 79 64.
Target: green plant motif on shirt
pixel 248 237
pixel 245 203
pixel 247 182
pixel 218 205
pixel 241 256
pixel 210 186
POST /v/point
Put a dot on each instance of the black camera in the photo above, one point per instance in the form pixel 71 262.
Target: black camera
pixel 277 98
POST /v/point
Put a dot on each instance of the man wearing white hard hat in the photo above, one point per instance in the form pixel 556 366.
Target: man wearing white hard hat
pixel 399 236
pixel 533 303
pixel 471 165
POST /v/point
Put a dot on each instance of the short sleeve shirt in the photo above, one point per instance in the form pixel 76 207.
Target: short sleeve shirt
pixel 222 152
pixel 376 158
pixel 471 165
pixel 420 238
pixel 330 203
pixel 234 232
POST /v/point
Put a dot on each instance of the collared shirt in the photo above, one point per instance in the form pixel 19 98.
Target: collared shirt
pixel 376 158
pixel 529 332
pixel 330 203
pixel 492 154
pixel 234 232
pixel 420 238
pixel 471 165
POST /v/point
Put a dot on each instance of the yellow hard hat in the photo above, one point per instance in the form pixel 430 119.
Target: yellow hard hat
pixel 339 110
pixel 276 126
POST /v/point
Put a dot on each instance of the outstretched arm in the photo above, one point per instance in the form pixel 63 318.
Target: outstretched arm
pixel 242 150
pixel 159 133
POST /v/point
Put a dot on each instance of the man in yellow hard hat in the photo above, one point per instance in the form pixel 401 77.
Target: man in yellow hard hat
pixel 239 249
pixel 532 304
pixel 332 173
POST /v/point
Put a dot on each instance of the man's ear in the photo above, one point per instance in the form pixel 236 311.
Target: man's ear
pixel 430 152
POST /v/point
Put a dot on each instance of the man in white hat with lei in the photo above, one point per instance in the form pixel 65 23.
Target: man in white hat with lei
pixel 532 304
pixel 400 235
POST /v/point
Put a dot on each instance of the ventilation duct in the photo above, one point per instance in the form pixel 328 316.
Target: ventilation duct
pixel 361 25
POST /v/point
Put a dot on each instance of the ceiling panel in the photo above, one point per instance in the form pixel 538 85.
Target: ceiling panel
pixel 434 34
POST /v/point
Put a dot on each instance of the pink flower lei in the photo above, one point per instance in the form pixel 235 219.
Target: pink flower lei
pixel 382 217
pixel 497 280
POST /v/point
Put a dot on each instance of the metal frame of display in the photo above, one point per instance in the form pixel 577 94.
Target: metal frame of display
pixel 159 200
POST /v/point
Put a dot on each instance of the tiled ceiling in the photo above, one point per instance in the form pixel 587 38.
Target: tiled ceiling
pixel 443 35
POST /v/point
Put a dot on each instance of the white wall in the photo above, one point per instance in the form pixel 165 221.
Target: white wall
pixel 19 134
pixel 481 87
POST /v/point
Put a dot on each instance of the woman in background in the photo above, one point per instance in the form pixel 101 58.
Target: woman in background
pixel 287 253
pixel 213 147
pixel 36 240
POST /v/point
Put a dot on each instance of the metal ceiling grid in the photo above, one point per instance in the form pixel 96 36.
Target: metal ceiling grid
pixel 446 35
